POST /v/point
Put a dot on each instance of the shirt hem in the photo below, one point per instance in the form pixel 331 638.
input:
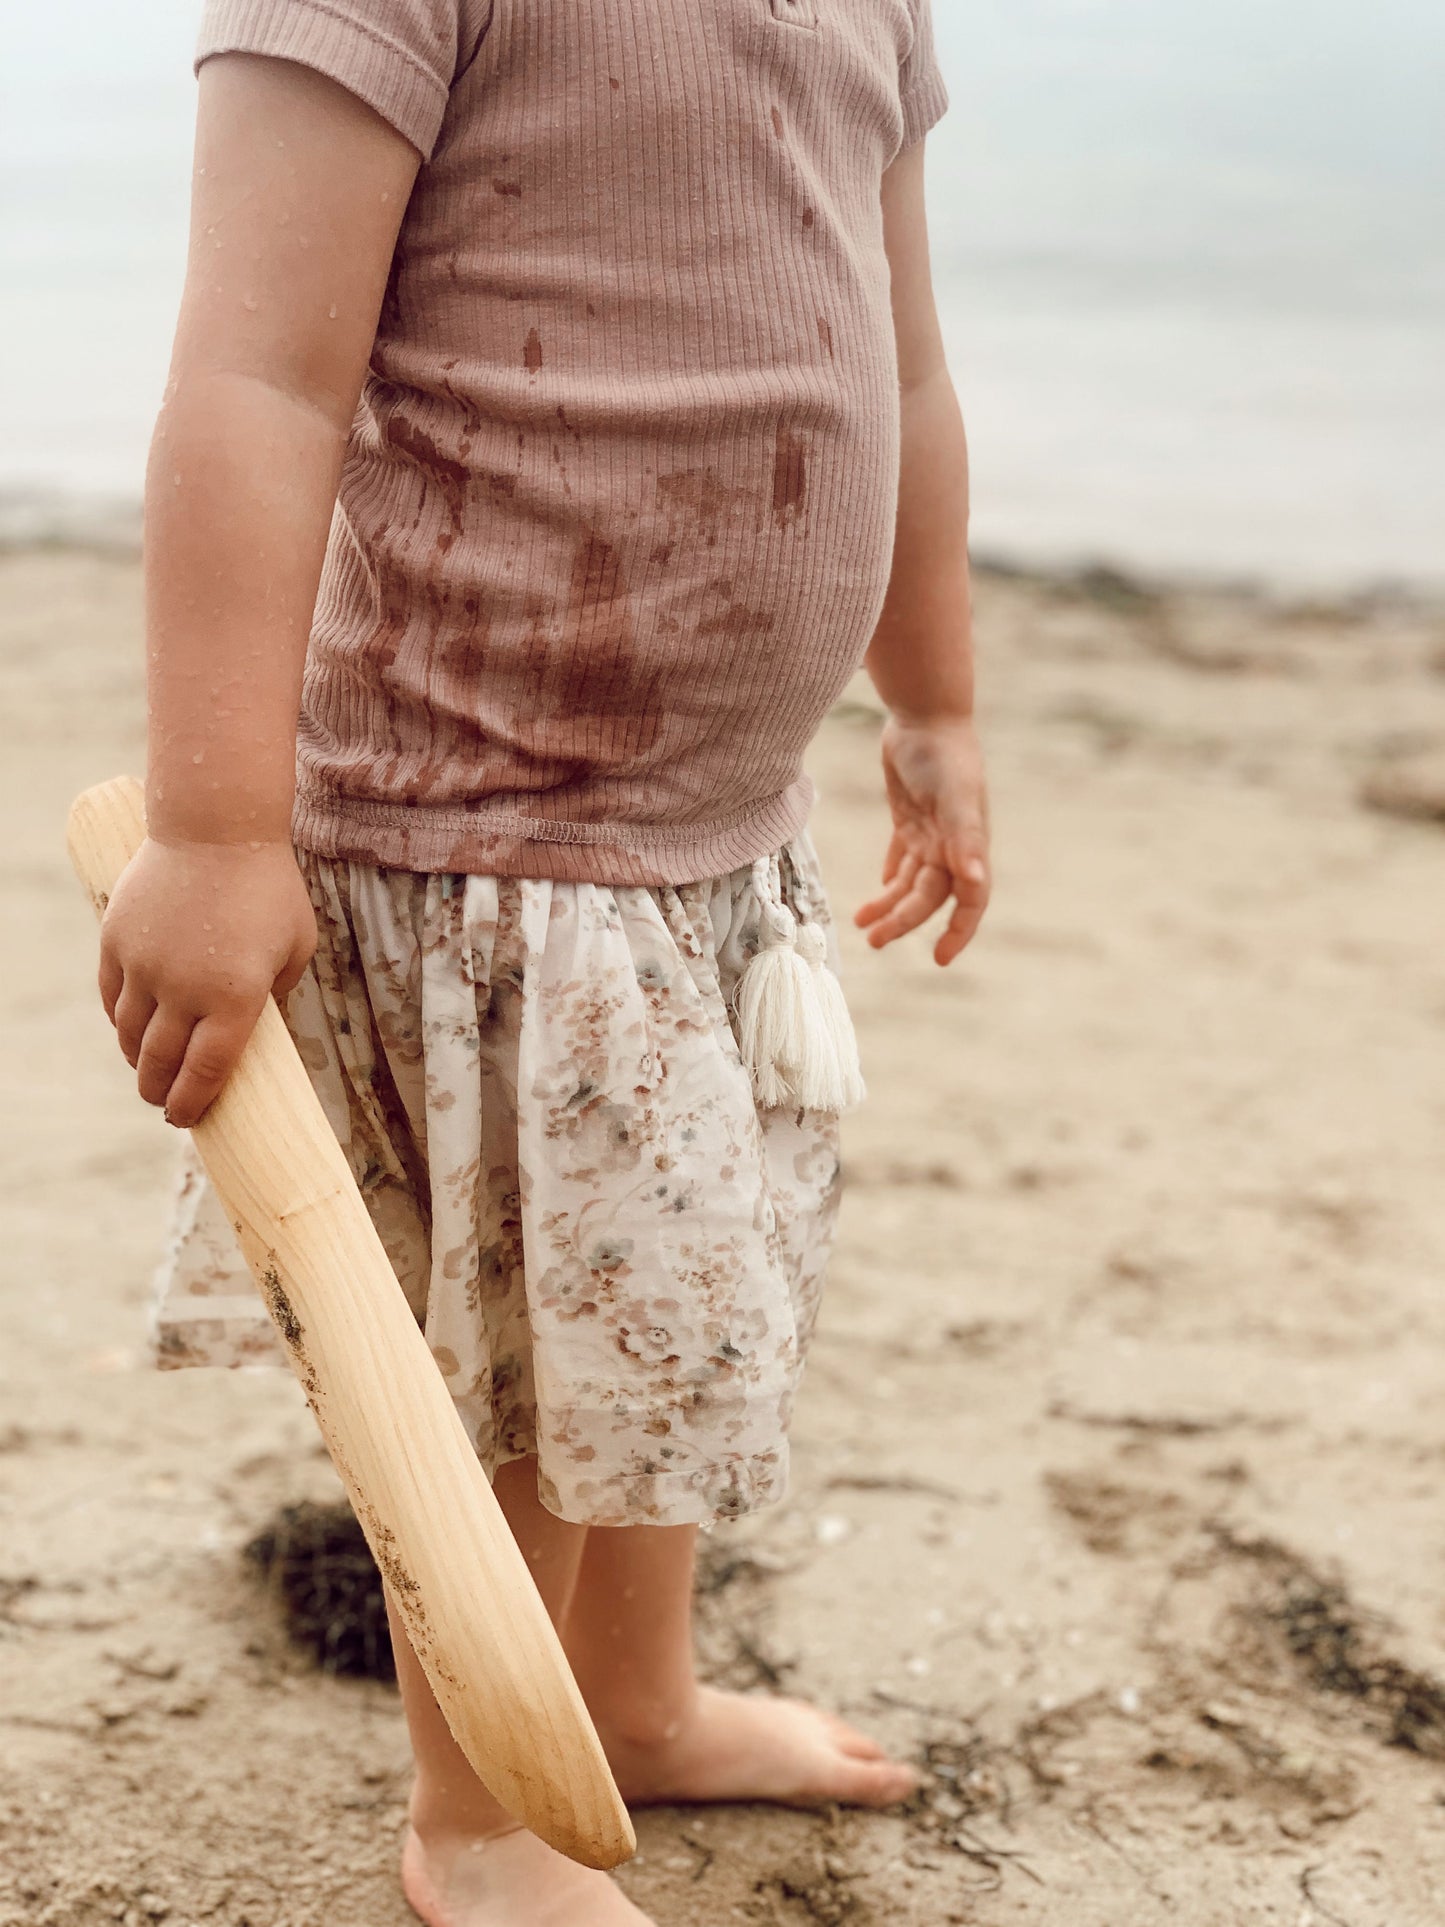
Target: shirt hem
pixel 497 843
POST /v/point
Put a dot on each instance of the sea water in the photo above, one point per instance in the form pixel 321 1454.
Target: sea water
pixel 1190 263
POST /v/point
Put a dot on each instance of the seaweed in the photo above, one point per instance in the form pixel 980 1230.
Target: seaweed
pixel 317 1561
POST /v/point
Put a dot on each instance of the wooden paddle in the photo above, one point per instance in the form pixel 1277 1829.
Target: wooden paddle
pixel 471 1609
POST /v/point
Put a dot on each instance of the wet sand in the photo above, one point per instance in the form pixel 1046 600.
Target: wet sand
pixel 1116 1488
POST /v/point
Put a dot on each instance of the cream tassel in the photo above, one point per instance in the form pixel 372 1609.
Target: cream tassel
pixel 796 1035
pixel 837 1084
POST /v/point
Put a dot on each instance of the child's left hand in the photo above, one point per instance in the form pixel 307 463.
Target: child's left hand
pixel 939 849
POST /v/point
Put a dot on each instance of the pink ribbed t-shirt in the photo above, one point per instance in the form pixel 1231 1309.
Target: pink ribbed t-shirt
pixel 617 514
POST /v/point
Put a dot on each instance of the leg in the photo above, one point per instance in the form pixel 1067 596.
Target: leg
pixel 466 1862
pixel 628 1635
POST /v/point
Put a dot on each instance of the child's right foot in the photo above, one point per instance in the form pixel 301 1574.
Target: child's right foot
pixel 510 1879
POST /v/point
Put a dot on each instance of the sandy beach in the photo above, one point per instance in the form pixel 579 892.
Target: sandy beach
pixel 1116 1494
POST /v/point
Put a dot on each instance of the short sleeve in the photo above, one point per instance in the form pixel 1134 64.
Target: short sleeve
pixel 399 56
pixel 921 92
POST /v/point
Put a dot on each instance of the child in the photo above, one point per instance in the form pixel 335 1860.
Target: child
pixel 558 386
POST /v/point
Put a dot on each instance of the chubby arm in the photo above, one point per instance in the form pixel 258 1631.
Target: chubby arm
pixel 921 654
pixel 297 196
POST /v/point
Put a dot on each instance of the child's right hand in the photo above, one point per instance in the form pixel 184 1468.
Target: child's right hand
pixel 194 940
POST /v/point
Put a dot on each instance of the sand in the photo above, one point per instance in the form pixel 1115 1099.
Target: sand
pixel 1118 1465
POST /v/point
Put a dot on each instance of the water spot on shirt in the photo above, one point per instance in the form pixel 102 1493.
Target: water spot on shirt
pixel 808 217
pixel 532 351
pixel 661 552
pixel 500 484
pixel 825 335
pixel 614 83
pixel 777 122
pixel 512 188
pixel 590 308
pixel 790 478
pixel 735 622
pixel 449 477
pixel 700 500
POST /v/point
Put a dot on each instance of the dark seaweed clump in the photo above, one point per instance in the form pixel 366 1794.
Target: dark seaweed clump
pixel 1324 1634
pixel 317 1561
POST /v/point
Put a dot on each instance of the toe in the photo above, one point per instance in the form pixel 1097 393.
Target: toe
pixel 875 1783
pixel 858 1746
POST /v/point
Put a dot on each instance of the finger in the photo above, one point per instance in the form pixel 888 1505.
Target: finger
pixel 292 973
pixel 211 1053
pixel 961 929
pixel 929 893
pixel 162 1053
pixel 897 851
pixel 897 889
pixel 133 1011
pixel 970 877
pixel 112 982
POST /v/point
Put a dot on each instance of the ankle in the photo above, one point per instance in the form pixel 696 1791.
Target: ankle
pixel 642 1722
pixel 440 1819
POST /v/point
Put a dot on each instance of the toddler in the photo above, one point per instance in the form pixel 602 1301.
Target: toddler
pixel 558 417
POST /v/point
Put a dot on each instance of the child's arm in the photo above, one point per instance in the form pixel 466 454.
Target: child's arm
pixel 921 655
pixel 297 196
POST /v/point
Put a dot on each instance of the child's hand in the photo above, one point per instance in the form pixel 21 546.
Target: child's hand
pixel 195 938
pixel 939 849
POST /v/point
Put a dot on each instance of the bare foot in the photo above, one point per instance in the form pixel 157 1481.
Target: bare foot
pixel 737 1746
pixel 510 1879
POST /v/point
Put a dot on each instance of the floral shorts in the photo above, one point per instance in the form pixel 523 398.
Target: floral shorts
pixel 614 1251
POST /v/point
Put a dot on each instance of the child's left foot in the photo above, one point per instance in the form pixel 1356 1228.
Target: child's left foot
pixel 736 1746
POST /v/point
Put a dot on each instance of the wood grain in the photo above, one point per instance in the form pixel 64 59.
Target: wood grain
pixel 474 1616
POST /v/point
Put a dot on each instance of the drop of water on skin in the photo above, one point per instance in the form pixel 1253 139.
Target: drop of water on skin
pixel 199 757
pixel 177 480
pixel 249 303
pixel 331 312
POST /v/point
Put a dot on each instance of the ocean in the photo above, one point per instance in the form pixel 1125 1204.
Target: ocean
pixel 1190 263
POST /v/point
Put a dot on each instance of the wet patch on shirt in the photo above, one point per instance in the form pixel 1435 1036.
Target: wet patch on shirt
pixel 825 336
pixel 733 619
pixel 532 351
pixel 455 676
pixel 450 478
pixel 510 188
pixel 790 478
pixel 700 501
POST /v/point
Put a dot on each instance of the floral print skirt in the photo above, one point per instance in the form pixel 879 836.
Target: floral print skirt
pixel 615 1254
